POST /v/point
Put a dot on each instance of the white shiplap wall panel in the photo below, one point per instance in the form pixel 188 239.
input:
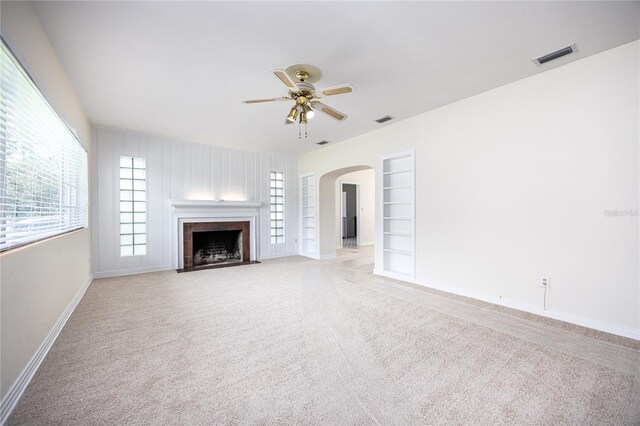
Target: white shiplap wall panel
pixel 181 170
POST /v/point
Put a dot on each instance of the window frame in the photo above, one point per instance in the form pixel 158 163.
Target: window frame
pixel 26 73
pixel 279 237
pixel 133 210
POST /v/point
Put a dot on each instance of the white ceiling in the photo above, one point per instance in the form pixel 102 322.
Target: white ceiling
pixel 181 69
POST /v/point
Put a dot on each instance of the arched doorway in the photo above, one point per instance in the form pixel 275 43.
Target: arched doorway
pixel 327 208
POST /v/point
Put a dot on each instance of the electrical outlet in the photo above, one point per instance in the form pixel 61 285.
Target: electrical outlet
pixel 545 282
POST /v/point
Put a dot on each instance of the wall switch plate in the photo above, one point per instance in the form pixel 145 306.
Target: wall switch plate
pixel 545 282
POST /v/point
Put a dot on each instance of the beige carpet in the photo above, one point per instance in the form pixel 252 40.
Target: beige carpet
pixel 298 341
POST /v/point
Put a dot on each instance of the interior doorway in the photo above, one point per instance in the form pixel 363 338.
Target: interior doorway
pixel 329 209
pixel 350 211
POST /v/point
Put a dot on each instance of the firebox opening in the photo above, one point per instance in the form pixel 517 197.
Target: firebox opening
pixel 217 247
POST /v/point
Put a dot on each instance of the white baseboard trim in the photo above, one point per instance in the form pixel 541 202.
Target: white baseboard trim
pixel 560 316
pixel 319 256
pixel 309 255
pixel 16 390
pixel 327 256
pixel 133 271
pixel 394 275
pixel 274 256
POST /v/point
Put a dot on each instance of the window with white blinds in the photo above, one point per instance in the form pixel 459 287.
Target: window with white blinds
pixel 43 166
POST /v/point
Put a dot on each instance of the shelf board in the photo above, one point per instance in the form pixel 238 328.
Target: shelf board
pixel 308 217
pixel 396 172
pixel 397 187
pixel 408 253
pixel 400 234
pixel 397 218
pixel 396 202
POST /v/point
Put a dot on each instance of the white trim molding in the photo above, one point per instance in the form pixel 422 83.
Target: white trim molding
pixel 327 256
pixel 135 271
pixel 17 389
pixel 304 200
pixel 582 321
pixel 275 256
pixel 214 204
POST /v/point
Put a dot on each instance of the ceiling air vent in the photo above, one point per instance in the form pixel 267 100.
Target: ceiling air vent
pixel 384 119
pixel 322 142
pixel 555 55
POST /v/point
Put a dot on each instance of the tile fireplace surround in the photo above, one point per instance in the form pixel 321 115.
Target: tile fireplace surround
pixel 184 212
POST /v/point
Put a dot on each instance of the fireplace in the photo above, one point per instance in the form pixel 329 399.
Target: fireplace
pixel 215 244
pixel 216 247
pixel 188 216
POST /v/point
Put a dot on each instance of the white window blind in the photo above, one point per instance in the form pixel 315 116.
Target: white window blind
pixel 133 206
pixel 43 167
pixel 277 207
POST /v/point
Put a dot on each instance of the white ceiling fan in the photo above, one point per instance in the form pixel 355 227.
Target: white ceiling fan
pixel 299 79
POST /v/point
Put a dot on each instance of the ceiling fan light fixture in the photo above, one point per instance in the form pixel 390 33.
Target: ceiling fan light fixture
pixel 303 117
pixel 293 114
pixel 309 112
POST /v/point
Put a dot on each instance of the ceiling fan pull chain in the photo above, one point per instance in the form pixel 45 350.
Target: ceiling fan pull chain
pixel 305 130
pixel 299 134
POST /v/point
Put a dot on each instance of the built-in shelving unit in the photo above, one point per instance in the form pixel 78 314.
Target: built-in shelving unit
pixel 308 205
pixel 398 214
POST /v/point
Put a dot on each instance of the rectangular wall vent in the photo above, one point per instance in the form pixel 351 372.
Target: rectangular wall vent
pixel 555 55
pixel 322 142
pixel 384 119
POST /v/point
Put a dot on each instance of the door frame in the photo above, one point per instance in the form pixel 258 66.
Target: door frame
pixel 358 222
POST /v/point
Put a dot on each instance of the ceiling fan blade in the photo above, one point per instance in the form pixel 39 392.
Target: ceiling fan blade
pixel 333 113
pixel 257 101
pixel 284 77
pixel 336 90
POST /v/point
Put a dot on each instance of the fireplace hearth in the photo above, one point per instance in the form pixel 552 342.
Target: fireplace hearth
pixel 215 244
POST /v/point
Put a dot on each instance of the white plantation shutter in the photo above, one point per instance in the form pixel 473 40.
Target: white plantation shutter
pixel 43 167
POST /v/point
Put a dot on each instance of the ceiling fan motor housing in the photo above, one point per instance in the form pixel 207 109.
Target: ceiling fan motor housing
pixel 305 86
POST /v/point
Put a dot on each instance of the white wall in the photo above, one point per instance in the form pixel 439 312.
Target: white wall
pixel 40 281
pixel 513 184
pixel 367 228
pixel 181 171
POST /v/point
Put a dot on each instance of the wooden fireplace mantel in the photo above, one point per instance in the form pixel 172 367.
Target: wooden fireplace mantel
pixel 213 203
